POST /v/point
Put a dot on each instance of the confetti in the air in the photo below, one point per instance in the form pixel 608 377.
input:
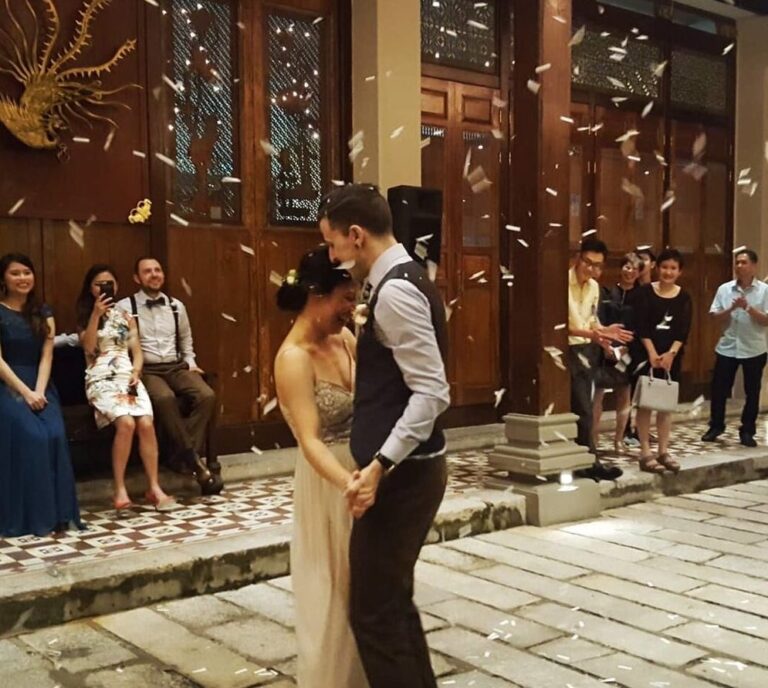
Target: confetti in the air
pixel 425 142
pixel 522 242
pixel 551 191
pixel 231 180
pixel 76 233
pixel 476 25
pixel 543 68
pixel 177 87
pixel 185 286
pixel 533 86
pixel 109 139
pixel 512 228
pixel 728 48
pixel 270 406
pixel 498 395
pixel 165 159
pixel 229 317
pixel 179 220
pixel 247 249
pixel 267 147
pixel 578 37
pixel 668 201
pixel 12 210
pixel 739 249
pixel 81 139
pixel 647 109
pixel 276 278
pixel 632 189
pixel 139 154
pixel 396 132
pixel 658 69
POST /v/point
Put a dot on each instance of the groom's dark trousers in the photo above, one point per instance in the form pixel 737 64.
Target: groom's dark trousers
pixel 384 548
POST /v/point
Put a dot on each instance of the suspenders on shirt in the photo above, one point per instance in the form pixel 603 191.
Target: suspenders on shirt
pixel 174 309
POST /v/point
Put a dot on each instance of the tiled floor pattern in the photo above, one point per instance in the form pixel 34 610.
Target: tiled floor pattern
pixel 244 507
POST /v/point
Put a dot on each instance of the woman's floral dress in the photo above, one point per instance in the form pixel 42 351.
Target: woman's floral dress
pixel 107 377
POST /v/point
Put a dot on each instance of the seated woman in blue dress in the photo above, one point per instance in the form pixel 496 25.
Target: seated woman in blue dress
pixel 37 485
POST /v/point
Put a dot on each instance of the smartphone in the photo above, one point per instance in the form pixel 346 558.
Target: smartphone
pixel 133 390
pixel 107 289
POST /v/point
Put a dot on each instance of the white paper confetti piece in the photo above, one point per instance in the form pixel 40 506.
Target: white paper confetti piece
pixel 276 278
pixel 566 119
pixel 476 25
pixel 396 132
pixel 543 68
pixel 522 242
pixel 185 286
pixel 668 201
pixel 616 83
pixel 699 145
pixel 578 37
pixel 179 220
pixel 739 249
pixel 229 317
pixel 658 69
pixel 12 210
pixel 247 249
pixel 498 395
pixel 728 48
pixel 270 406
pixel 647 109
pixel 512 228
pixel 139 154
pixel 258 452
pixel 425 142
pixel 76 233
pixel 231 180
pixel 267 147
pixel 109 139
pixel 533 86
pixel 165 159
pixel 551 191
pixel 177 87
pixel 81 139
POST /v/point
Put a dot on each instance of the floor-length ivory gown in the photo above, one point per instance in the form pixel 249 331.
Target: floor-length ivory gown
pixel 327 652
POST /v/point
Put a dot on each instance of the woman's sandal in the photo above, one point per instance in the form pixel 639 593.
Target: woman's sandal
pixel 165 504
pixel 668 462
pixel 124 505
pixel 650 465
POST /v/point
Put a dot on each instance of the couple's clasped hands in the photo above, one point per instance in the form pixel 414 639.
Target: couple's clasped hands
pixel 361 488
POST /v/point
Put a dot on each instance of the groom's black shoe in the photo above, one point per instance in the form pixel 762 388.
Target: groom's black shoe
pixel 599 471
pixel 712 434
pixel 747 439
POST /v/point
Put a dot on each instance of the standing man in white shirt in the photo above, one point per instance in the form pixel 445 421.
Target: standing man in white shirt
pixel 741 308
pixel 400 392
pixel 171 371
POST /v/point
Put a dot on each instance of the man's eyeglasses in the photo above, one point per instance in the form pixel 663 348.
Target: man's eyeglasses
pixel 592 264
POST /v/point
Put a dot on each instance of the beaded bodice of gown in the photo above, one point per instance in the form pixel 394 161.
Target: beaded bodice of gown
pixel 334 405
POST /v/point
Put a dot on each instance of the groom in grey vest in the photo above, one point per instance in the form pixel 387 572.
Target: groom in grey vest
pixel 400 391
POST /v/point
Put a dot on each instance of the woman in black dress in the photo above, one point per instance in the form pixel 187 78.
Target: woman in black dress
pixel 663 321
pixel 617 306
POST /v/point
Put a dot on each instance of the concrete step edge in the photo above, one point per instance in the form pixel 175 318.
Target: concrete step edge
pixel 56 595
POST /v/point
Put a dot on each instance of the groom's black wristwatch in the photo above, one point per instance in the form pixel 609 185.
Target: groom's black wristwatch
pixel 386 464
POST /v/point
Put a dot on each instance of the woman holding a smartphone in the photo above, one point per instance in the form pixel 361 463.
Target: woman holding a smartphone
pixel 113 382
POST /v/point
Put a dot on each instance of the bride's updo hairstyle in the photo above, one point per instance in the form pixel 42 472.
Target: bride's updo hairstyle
pixel 316 275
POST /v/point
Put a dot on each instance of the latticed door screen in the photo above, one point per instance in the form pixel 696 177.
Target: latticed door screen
pixel 204 133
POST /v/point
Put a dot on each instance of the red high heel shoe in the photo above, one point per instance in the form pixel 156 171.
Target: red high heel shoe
pixel 167 503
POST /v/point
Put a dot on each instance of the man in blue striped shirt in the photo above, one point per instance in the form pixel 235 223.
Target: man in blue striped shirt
pixel 741 308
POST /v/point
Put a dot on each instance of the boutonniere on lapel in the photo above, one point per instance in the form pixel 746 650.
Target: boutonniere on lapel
pixel 360 314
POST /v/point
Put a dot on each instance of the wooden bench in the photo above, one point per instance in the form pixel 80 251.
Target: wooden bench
pixel 90 447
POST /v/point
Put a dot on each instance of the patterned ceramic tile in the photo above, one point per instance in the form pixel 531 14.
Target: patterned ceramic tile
pixel 247 506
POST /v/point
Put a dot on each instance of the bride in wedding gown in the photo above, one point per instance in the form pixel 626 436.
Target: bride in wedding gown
pixel 314 373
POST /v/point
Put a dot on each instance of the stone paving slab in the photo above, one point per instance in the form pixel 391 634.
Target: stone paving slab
pixel 198 658
pixel 661 522
pixel 723 641
pixel 517 558
pixel 632 672
pixel 508 628
pixel 526 670
pixel 709 574
pixel 469 587
pixel 609 606
pixel 735 599
pixel 618 636
pixel 680 604
pixel 588 562
pixel 730 675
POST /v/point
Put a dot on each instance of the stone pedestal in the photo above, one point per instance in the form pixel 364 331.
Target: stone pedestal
pixel 540 457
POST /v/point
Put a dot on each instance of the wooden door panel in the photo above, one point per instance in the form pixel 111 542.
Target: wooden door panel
pixel 434 103
pixel 476 337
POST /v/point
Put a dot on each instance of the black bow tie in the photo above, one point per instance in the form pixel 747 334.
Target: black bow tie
pixel 160 301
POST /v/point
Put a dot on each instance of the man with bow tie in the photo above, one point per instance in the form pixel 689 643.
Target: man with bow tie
pixel 171 371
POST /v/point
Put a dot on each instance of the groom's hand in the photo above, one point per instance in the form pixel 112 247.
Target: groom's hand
pixel 367 484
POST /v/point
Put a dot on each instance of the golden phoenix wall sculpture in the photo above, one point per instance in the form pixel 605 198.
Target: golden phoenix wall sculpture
pixel 53 94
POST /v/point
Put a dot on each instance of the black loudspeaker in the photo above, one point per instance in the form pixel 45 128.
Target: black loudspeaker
pixel 417 215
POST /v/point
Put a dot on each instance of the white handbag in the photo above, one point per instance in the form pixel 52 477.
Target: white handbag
pixel 656 394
